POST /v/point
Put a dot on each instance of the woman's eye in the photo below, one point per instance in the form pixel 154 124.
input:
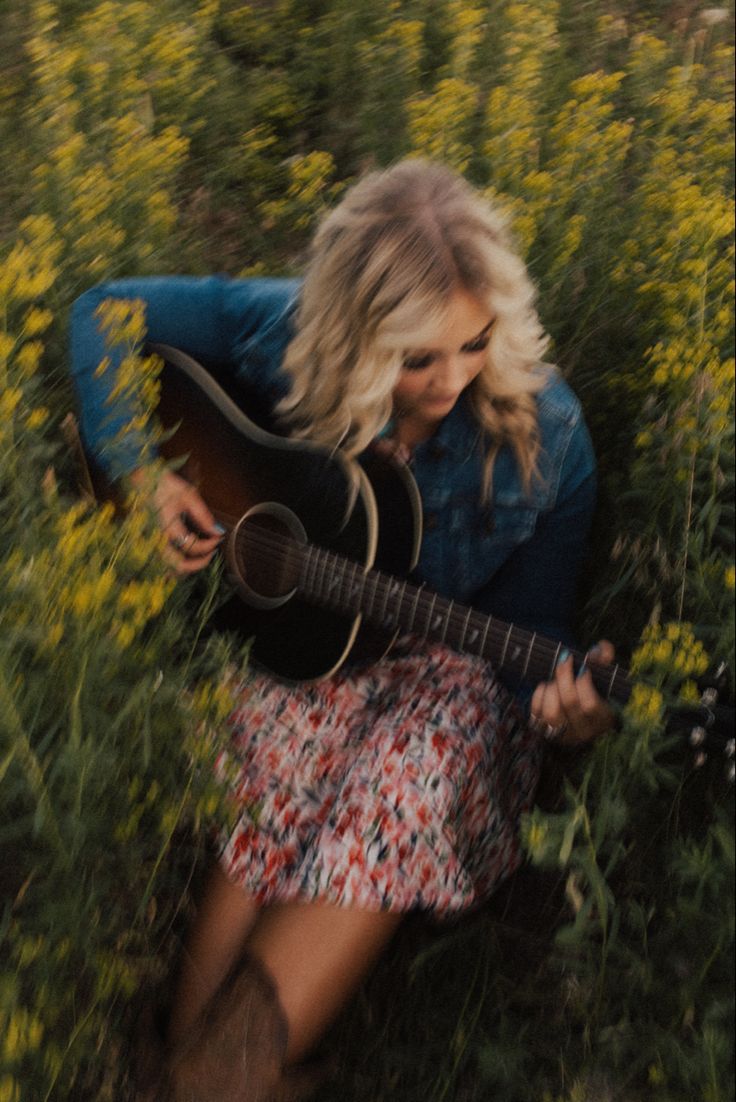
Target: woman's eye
pixel 417 363
pixel 478 345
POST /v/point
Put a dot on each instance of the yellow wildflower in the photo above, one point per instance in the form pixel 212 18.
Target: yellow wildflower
pixel 23 1034
pixel 438 122
pixel 7 344
pixel 27 359
pixel 37 321
pixel 9 1089
pixel 536 838
pixel 37 417
pixel 124 635
pixel 10 399
pixel 645 706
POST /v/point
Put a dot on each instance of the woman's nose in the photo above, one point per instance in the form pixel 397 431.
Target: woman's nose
pixel 450 373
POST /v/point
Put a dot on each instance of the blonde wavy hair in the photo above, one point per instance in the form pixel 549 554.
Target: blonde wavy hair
pixel 383 267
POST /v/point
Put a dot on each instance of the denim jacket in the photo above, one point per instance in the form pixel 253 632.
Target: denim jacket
pixel 516 556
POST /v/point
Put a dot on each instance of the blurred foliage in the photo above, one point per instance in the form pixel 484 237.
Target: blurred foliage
pixel 210 135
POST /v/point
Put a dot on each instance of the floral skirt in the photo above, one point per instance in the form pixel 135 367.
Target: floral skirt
pixel 394 786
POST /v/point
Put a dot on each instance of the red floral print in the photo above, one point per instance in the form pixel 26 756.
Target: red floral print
pixel 394 786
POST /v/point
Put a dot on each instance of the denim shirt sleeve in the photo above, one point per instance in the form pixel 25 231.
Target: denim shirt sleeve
pixel 242 326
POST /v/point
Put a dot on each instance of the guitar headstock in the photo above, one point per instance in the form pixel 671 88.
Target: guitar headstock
pixel 710 722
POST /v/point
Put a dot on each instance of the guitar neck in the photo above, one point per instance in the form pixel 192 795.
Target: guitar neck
pixel 386 602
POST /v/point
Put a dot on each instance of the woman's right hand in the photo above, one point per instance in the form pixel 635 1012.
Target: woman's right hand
pixel 192 531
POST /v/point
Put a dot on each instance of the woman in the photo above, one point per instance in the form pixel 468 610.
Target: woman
pixel 400 785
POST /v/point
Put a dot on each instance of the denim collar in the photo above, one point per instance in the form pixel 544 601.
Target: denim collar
pixel 458 434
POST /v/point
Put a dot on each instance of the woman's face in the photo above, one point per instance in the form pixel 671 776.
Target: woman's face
pixel 434 376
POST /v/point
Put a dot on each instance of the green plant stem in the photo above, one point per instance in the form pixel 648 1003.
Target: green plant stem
pixel 693 461
pixel 460 1049
pixel 31 764
pixel 75 1033
pixel 163 851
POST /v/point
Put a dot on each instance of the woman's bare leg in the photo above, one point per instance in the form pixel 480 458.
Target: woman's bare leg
pixel 316 955
pixel 224 919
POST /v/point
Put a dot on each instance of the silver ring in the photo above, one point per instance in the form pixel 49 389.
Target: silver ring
pixel 552 734
pixel 183 543
pixel 546 730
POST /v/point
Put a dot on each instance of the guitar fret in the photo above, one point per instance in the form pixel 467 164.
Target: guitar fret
pixel 553 667
pixel 502 659
pixel 417 595
pixel 315 579
pixel 391 586
pixel 430 614
pixel 528 655
pixel 319 574
pixel 357 586
pixel 461 642
pixel 380 588
pixel 402 598
pixel 375 578
pixel 337 585
pixel 307 559
pixel 485 636
pixel 611 682
pixel 448 614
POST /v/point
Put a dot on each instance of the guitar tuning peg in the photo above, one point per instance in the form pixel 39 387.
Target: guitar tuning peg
pixel 700 759
pixel 729 748
pixel 714 684
pixel 731 773
pixel 721 673
pixel 697 736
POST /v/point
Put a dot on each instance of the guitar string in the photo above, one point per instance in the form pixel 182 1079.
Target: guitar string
pixel 317 559
pixel 540 654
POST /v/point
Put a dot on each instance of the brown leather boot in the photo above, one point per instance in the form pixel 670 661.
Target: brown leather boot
pixel 235 1050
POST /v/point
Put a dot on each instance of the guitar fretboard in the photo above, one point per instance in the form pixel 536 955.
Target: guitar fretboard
pixel 385 602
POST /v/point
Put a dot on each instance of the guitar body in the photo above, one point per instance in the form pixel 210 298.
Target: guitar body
pixel 317 496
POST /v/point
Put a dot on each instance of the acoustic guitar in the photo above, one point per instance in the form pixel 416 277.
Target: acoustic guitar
pixel 317 546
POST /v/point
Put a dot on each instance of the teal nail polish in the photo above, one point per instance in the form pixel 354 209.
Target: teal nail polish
pixel 563 656
pixel 219 529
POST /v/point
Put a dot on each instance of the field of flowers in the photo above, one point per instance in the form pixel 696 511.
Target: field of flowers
pixel 208 135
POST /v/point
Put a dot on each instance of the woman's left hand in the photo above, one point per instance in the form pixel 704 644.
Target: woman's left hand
pixel 568 709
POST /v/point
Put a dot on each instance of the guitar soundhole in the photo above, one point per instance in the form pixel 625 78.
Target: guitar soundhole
pixel 264 554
